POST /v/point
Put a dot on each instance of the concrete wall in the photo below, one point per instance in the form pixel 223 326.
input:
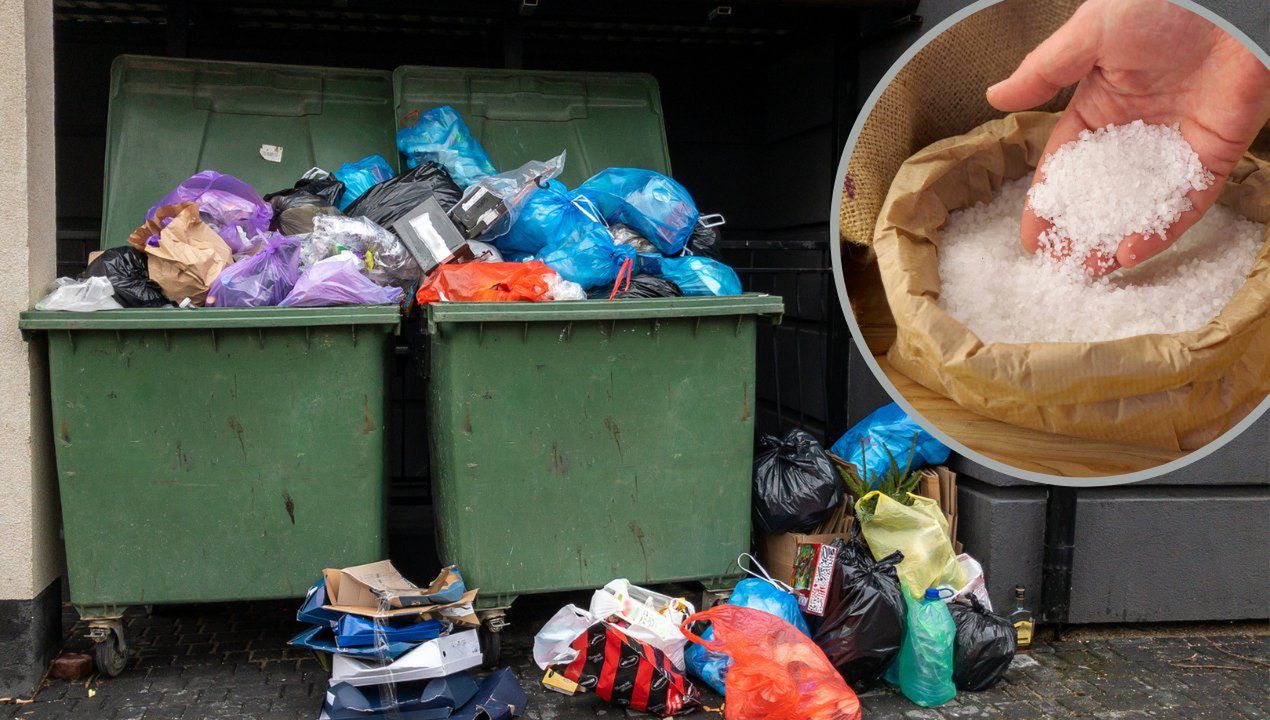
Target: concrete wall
pixel 28 534
pixel 30 548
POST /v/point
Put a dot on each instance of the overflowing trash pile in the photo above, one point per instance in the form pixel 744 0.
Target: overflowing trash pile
pixel 449 228
pixel 397 650
pixel 875 591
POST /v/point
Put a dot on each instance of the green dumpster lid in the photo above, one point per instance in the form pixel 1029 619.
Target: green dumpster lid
pixel 171 118
pixel 581 310
pixel 601 119
pixel 208 318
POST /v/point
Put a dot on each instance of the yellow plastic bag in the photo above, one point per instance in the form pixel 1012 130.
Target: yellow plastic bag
pixel 919 531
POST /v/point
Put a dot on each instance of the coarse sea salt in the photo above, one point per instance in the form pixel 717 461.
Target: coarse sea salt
pixel 1112 182
pixel 1005 294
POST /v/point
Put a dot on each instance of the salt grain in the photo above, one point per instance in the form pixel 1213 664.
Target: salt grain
pixel 1005 294
pixel 1113 182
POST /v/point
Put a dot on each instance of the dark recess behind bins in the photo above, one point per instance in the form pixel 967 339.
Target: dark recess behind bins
pixel 758 105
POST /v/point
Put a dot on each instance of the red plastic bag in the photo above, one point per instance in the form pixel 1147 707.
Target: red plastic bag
pixel 487 282
pixel 777 672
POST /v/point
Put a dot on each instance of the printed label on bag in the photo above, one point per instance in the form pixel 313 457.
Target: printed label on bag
pixel 272 153
pixel 813 572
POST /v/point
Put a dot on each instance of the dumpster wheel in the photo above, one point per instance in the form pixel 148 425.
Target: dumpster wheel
pixel 492 625
pixel 110 651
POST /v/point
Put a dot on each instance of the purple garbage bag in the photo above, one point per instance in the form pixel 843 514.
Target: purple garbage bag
pixel 227 204
pixel 338 280
pixel 261 280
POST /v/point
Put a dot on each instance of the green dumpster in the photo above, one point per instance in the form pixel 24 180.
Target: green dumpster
pixel 219 454
pixel 577 442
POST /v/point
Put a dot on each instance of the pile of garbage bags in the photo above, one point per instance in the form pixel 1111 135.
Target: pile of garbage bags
pixel 365 235
pixel 395 649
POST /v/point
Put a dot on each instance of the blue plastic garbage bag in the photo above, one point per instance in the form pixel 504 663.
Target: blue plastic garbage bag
pixel 423 700
pixel 500 697
pixel 889 430
pixel 551 215
pixel 322 639
pixel 355 631
pixel 699 275
pixel 359 176
pixel 311 610
pixel 441 136
pixel 590 261
pixel 657 207
pixel 754 593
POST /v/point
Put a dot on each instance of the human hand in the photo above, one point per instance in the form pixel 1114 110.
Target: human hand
pixel 1149 60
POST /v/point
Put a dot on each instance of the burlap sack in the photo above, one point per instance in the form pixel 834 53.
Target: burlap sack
pixel 940 93
pixel 1175 392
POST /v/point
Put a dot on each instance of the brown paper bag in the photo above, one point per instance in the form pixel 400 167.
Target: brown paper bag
pixel 189 256
pixel 1175 392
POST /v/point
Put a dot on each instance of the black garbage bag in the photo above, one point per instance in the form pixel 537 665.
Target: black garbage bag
pixel 795 485
pixel 385 203
pixel 306 193
pixel 865 614
pixel 642 286
pixel 984 647
pixel 704 242
pixel 125 267
pixel 299 220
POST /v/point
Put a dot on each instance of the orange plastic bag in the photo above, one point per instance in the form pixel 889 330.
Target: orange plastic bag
pixel 777 672
pixel 487 282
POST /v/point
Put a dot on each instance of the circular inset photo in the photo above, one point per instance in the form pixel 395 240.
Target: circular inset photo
pixel 1055 235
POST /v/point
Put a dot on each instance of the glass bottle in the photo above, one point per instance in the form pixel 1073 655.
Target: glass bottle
pixel 1021 619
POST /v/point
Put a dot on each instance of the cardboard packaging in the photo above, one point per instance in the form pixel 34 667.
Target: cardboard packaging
pixel 779 553
pixel 379 590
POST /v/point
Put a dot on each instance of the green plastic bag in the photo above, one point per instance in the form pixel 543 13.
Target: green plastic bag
pixel 920 531
pixel 924 669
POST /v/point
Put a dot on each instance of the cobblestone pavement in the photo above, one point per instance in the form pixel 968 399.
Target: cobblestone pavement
pixel 217 662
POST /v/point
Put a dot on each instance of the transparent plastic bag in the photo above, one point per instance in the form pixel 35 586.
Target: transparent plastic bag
pixel 512 189
pixel 262 280
pixel 230 206
pixel 654 205
pixel 441 136
pixel 386 258
pixel 88 295
pixel 338 280
pixel 776 671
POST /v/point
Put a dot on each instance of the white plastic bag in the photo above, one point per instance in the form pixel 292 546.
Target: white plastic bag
pixel 652 617
pixel 553 641
pixel 975 584
pixel 94 293
pixel 560 289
